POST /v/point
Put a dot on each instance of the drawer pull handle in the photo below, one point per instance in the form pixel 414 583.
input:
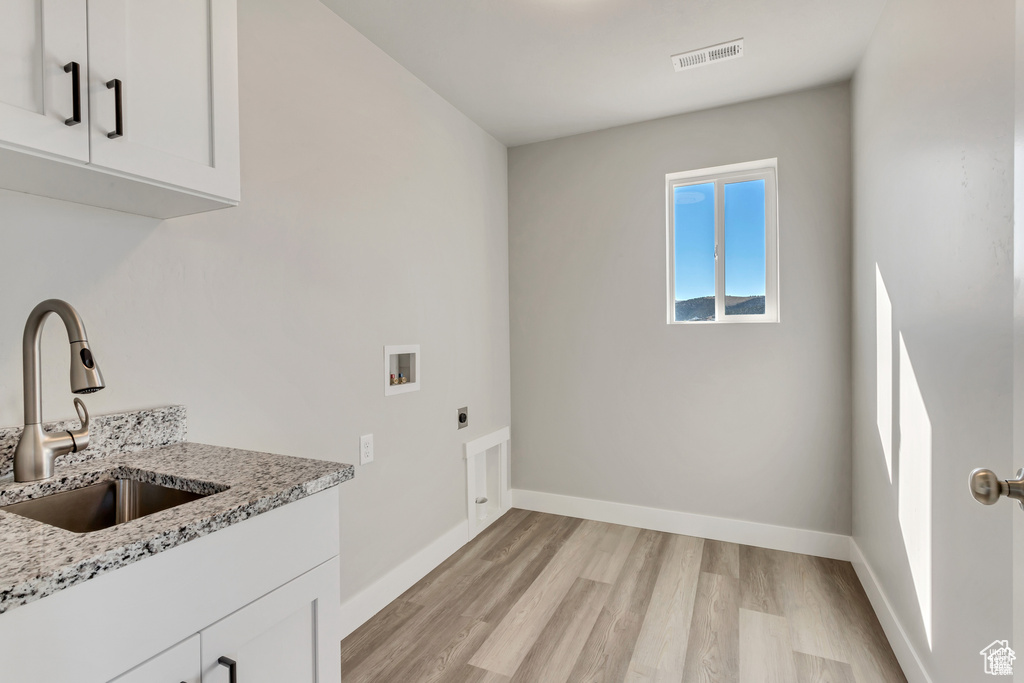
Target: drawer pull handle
pixel 118 108
pixel 232 666
pixel 76 93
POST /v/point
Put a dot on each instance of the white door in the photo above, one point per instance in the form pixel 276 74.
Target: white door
pixel 168 72
pixel 38 39
pixel 1015 592
pixel 994 487
pixel 288 635
pixel 1017 542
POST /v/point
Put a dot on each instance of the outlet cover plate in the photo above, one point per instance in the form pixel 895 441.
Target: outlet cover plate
pixel 463 418
pixel 366 449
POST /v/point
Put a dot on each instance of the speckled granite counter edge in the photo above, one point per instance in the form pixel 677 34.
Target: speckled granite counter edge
pixel 73 574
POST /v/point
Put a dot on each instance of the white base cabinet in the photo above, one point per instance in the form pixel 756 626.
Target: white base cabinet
pixel 279 637
pixel 179 663
pixel 264 593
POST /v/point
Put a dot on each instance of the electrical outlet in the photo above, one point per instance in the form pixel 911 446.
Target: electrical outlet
pixel 463 418
pixel 366 449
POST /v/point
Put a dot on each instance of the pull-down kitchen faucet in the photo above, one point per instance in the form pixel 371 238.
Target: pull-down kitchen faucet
pixel 33 458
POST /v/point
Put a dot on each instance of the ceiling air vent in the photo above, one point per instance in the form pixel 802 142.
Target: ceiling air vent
pixel 707 55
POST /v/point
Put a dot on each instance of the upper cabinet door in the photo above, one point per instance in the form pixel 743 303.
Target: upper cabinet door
pixel 167 72
pixel 37 39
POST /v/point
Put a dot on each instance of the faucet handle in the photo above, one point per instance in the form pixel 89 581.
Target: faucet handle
pixel 83 413
pixel 80 436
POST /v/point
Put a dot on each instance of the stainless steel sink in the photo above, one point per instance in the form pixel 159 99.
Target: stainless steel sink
pixel 102 505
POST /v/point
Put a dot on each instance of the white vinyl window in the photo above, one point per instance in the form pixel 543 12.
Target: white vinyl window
pixel 723 244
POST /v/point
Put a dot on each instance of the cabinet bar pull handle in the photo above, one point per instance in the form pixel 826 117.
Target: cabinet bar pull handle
pixel 118 109
pixel 232 666
pixel 76 93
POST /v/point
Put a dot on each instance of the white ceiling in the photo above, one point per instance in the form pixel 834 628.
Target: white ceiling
pixel 529 70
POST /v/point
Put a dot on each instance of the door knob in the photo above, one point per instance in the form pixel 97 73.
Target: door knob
pixel 986 487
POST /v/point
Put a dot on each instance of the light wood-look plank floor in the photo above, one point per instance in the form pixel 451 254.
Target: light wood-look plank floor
pixel 540 598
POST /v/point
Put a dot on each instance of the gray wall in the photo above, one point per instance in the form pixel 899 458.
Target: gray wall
pixel 933 140
pixel 369 207
pixel 747 421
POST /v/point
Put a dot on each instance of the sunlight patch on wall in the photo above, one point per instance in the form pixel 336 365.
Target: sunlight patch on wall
pixel 915 485
pixel 883 364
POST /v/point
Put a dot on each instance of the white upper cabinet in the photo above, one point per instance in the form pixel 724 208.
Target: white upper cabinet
pixel 159 103
pixel 38 39
pixel 175 62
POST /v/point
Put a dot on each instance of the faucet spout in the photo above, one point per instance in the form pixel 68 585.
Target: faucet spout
pixel 33 457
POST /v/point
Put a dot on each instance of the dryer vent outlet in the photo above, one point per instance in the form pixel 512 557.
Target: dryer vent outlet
pixel 707 55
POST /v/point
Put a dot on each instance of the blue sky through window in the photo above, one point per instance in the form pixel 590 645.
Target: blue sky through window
pixel 744 239
pixel 695 241
pixel 744 248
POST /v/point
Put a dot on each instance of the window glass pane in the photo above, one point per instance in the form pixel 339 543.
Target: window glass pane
pixel 695 252
pixel 744 248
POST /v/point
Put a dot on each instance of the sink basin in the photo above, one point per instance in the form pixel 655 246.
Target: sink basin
pixel 102 505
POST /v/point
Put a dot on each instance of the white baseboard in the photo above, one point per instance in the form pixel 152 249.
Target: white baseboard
pixel 912 666
pixel 375 597
pixel 835 546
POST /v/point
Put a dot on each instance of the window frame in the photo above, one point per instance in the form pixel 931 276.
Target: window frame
pixel 765 169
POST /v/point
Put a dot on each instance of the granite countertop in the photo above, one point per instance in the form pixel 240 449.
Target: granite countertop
pixel 38 560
